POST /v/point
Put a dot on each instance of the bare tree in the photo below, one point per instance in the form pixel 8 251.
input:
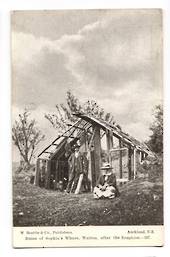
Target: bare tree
pixel 64 112
pixel 26 136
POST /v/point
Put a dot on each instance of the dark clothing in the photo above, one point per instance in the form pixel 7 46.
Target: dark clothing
pixel 85 182
pixel 75 169
pixel 75 164
pixel 111 181
pixel 72 182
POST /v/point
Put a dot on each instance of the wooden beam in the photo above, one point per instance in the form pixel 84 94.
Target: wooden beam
pixel 89 168
pixel 45 149
pixel 122 180
pixel 86 143
pixel 111 139
pixel 48 175
pixel 77 122
pixel 56 174
pixel 92 170
pixel 70 137
pixel 129 164
pixel 91 139
pixel 118 149
pixel 37 172
pixel 134 163
pixel 140 156
pixel 97 150
pixel 109 143
pixel 103 134
pixel 120 159
pixel 77 127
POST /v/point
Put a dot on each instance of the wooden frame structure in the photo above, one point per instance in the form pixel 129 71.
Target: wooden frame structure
pixel 89 131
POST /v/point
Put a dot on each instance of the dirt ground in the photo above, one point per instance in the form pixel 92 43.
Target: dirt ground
pixel 140 203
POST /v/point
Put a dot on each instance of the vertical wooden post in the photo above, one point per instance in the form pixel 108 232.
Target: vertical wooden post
pixel 120 159
pixel 89 168
pixel 140 156
pixel 47 178
pixel 37 173
pixel 129 164
pixel 97 150
pixel 86 147
pixel 56 175
pixel 134 163
pixel 108 141
pixel 111 139
pixel 93 171
pixel 108 144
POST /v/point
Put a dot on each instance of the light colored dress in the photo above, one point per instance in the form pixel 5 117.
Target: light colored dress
pixel 105 187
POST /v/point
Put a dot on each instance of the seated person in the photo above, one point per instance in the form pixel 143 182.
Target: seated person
pixel 106 186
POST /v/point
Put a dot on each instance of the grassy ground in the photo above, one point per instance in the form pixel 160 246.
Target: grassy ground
pixel 140 203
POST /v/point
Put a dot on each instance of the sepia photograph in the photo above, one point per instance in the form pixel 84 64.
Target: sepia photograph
pixel 87 118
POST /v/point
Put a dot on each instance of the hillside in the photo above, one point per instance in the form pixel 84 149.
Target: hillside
pixel 140 203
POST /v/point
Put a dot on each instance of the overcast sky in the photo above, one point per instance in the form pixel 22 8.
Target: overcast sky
pixel 111 56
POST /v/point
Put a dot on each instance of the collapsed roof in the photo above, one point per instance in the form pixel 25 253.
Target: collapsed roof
pixel 83 124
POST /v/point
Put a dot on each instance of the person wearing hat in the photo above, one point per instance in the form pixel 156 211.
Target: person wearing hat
pixel 106 186
pixel 75 168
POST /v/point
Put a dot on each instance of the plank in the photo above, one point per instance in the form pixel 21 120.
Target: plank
pixel 120 159
pixel 47 179
pixel 37 172
pixel 129 164
pixel 97 151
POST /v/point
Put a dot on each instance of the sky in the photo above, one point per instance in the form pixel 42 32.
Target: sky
pixel 111 56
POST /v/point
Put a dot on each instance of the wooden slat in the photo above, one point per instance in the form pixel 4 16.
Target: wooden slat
pixel 129 164
pixel 134 163
pixel 118 149
pixel 91 139
pixel 37 173
pixel 47 179
pixel 122 180
pixel 92 170
pixel 76 127
pixel 70 137
pixel 58 137
pixel 120 159
pixel 44 150
pixel 116 132
pixel 56 174
pixel 97 150
pixel 108 143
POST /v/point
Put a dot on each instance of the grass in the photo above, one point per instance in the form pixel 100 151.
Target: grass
pixel 140 203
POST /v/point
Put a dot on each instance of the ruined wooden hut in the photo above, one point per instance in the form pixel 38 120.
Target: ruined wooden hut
pixel 100 141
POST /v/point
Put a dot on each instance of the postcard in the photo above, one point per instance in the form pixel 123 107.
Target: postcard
pixel 87 127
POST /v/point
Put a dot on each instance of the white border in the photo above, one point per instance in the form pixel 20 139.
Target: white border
pixel 88 236
pixel 5 151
